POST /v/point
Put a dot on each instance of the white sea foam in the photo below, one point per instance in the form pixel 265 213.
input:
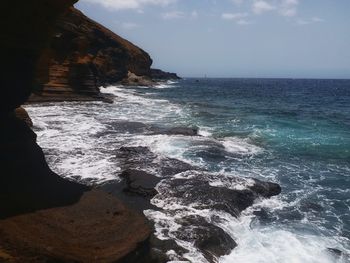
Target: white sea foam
pixel 240 146
pixel 277 245
pixel 79 141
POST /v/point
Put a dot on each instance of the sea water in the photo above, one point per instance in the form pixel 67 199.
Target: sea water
pixel 292 132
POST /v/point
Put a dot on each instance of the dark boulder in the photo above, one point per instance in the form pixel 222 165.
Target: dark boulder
pixel 140 183
pixel 209 238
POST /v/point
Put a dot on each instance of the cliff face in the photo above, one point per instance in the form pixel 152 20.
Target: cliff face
pixel 44 218
pixel 26 27
pixel 84 55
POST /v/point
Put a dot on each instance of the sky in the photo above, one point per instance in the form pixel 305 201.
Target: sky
pixel 234 38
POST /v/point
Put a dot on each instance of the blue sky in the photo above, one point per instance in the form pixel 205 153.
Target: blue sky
pixel 235 38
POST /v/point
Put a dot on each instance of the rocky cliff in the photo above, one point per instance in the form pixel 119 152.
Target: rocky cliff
pixel 44 218
pixel 84 55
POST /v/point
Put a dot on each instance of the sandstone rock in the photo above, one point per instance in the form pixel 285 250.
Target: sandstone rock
pixel 26 27
pixel 83 56
pixel 98 228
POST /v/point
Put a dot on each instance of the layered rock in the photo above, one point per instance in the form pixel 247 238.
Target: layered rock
pixel 83 56
pixel 26 27
pixel 44 218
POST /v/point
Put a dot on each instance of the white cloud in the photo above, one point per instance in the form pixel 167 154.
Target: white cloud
pixel 289 7
pixel 239 18
pixel 129 4
pixel 260 6
pixel 173 15
pixel 302 22
pixel 244 22
pixel 316 19
pixel 194 14
pixel 233 16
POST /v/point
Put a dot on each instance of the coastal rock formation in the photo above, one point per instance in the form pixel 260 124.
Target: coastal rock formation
pixel 26 27
pixel 84 55
pixel 158 74
pixel 98 228
pixel 43 217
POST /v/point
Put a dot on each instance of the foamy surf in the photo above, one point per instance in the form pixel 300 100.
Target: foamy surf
pixel 308 222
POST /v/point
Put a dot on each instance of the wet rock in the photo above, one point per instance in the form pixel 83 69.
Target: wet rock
pixel 140 183
pixel 265 189
pixel 339 254
pixel 130 127
pixel 162 247
pixel 170 166
pixel 336 252
pixel 180 131
pixel 202 195
pixel 210 239
pixel 141 158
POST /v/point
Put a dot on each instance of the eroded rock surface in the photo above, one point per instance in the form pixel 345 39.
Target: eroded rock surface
pixel 84 55
pixel 98 228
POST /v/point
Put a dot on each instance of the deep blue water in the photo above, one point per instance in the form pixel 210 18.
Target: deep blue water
pixel 293 132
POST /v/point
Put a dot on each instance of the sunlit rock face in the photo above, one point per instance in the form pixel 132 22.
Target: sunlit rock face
pixel 84 55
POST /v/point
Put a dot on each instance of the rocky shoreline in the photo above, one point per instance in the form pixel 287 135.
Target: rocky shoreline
pixel 61 55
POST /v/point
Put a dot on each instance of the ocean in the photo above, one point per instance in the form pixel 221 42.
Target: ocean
pixel 289 131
